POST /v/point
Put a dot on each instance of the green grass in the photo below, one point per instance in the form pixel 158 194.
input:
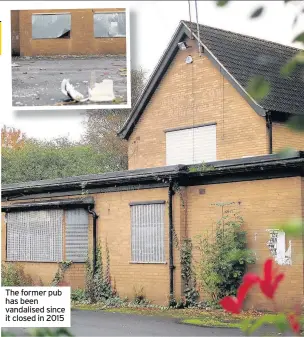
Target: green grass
pixel 210 322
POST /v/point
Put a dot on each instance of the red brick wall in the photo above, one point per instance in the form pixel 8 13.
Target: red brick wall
pixel 262 204
pixel 15 33
pixel 81 42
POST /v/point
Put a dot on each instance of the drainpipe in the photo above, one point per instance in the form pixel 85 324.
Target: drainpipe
pixel 95 217
pixel 171 265
pixel 269 130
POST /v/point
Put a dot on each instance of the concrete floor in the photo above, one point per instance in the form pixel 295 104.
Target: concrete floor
pixel 37 81
pixel 100 323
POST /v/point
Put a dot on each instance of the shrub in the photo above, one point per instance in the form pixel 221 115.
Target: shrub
pixel 140 297
pixel 13 275
pixel 78 295
pixel 98 284
pixel 223 257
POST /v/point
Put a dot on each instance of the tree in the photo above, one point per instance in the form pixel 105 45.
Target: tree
pixel 101 127
pixel 12 138
pixel 58 158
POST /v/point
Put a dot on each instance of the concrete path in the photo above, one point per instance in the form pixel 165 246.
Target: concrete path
pixel 99 323
pixel 37 81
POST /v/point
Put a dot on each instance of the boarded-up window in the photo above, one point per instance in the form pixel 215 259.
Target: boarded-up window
pixel 35 236
pixel 76 235
pixel 191 145
pixel 147 226
pixel 110 24
pixel 51 26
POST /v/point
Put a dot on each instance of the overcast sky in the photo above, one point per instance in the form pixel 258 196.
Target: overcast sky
pixel 152 25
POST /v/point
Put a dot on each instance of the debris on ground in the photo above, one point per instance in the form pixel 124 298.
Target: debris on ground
pixel 28 78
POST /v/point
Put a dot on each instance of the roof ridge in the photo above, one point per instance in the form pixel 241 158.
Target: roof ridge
pixel 244 35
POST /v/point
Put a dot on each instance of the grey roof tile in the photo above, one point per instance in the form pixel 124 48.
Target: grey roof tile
pixel 245 57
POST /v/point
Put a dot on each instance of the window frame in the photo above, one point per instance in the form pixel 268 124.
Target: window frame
pixel 163 248
pixel 63 237
pixel 52 38
pixel 109 37
pixel 192 127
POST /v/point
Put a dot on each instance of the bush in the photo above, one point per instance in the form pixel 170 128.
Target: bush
pixel 13 275
pixel 78 295
pixel 140 297
pixel 223 257
pixel 98 285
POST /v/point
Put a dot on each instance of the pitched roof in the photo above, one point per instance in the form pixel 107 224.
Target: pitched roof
pixel 239 58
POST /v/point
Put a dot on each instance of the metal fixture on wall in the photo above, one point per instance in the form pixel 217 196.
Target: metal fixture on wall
pixel 182 45
pixel 198 31
pixel 189 59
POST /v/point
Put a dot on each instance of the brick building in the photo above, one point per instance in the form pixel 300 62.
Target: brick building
pixel 68 32
pixel 195 109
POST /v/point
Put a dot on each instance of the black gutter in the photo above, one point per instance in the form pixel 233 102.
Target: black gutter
pixel 95 217
pixel 111 179
pixel 262 166
pixel 269 131
pixel 171 229
pixel 50 204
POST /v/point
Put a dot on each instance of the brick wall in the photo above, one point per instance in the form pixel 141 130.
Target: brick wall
pixel 45 272
pixel 261 203
pixel 15 33
pixel 283 137
pixel 81 42
pixel 194 94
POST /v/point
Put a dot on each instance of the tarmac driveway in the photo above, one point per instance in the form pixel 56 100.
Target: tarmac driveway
pixel 100 323
pixel 37 80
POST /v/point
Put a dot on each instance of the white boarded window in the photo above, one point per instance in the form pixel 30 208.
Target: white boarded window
pixel 110 24
pixel 76 235
pixel 51 26
pixel 147 227
pixel 34 236
pixel 191 145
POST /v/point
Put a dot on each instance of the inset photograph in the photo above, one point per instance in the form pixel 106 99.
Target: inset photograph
pixel 70 57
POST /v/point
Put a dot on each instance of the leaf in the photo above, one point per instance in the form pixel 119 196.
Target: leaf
pixel 291 65
pixel 222 3
pixel 246 324
pixel 299 38
pixel 279 321
pixel 287 153
pixel 292 227
pixel 295 20
pixel 258 88
pixel 256 13
pixel 296 123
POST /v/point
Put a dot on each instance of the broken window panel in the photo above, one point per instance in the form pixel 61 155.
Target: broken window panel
pixel 51 26
pixel 110 24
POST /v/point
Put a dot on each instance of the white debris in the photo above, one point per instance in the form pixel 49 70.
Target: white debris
pixel 15 65
pixel 102 92
pixel 68 89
